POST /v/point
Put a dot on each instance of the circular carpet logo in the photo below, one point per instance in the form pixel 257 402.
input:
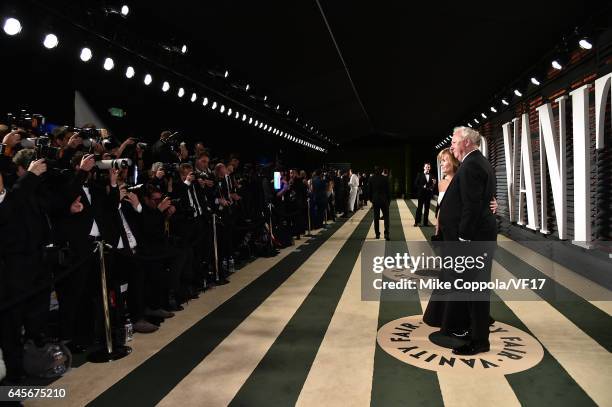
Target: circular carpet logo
pixel 512 350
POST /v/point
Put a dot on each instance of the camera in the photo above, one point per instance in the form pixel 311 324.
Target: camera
pixel 45 150
pixel 118 164
pixel 32 123
pixel 171 169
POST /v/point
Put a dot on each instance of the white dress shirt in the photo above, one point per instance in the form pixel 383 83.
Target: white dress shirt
pixel 95 232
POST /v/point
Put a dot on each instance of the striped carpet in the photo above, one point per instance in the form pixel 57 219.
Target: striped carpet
pixel 293 330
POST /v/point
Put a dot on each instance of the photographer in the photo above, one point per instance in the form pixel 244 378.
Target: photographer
pixel 24 229
pixel 157 213
pixel 163 151
pixel 194 225
pixel 92 197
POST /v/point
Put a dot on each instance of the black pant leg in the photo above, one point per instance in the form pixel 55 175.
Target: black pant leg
pixel 427 203
pixel 385 211
pixel 419 210
pixel 377 209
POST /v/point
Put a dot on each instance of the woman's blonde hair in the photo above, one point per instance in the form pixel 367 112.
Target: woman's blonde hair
pixel 450 157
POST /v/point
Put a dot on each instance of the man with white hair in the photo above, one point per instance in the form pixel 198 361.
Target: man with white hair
pixel 465 216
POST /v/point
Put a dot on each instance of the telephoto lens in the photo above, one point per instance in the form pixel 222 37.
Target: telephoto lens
pixel 118 164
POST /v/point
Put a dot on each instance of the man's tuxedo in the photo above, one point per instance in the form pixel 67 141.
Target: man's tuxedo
pixel 465 211
pixel 424 189
pixel 379 192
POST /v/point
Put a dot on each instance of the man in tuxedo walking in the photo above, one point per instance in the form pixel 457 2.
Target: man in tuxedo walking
pixel 465 216
pixel 424 185
pixel 379 193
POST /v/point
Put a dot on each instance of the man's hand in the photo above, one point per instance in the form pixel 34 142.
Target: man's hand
pixel 493 205
pixel 133 199
pixel 38 167
pixel 113 175
pixel 75 141
pixel 237 197
pixel 190 178
pixel 171 210
pixel 164 204
pixel 87 162
pixel 223 202
pixel 76 206
pixel 12 138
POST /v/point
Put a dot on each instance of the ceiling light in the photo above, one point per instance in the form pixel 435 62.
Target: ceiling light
pixel 505 102
pixel 237 115
pixel 484 116
pixel 247 87
pixel 493 109
pixel 86 54
pixel 557 64
pixel 148 79
pixel 229 111
pixel 109 63
pixel 226 74
pixel 250 120
pixel 518 93
pixel 535 81
pixel 184 49
pixel 476 120
pixel 181 92
pixel 194 97
pixel 50 41
pixel 214 106
pixel 125 10
pixel 129 72
pixel 244 117
pixel 205 102
pixel 166 86
pixel 585 43
pixel 12 26
pixel 222 109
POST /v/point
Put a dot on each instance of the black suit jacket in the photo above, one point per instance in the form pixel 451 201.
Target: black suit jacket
pixel 423 187
pixel 379 190
pixel 464 211
pixel 76 227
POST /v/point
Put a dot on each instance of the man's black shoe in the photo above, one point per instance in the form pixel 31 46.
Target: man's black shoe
pixel 387 236
pixel 470 349
pixel 378 235
pixel 415 224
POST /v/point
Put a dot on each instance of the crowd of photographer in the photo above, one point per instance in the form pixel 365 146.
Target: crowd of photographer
pixel 170 222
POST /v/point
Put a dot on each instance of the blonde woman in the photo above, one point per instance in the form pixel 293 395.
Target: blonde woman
pixel 449 166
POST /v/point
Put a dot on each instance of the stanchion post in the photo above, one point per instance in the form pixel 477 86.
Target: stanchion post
pixel 111 352
pixel 216 252
pixel 309 226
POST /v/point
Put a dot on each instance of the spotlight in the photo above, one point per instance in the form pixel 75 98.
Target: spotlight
pixel 287 113
pixel 250 120
pixel 470 124
pixel 166 86
pixel 50 41
pixel 261 125
pixel 237 115
pixel 222 109
pixel 243 117
pixel 505 102
pixel 518 93
pixel 194 97
pixel 226 74
pixel 205 102
pixel 86 54
pixel 125 10
pixel 109 64
pixel 184 49
pixel 535 81
pixel 181 92
pixel 585 43
pixel 148 79
pixel 129 72
pixel 256 123
pixel 476 120
pixel 557 64
pixel 12 26
pixel 214 106
pixel 247 87
pixel 493 109
pixel 229 111
pixel 266 127
pixel 484 116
